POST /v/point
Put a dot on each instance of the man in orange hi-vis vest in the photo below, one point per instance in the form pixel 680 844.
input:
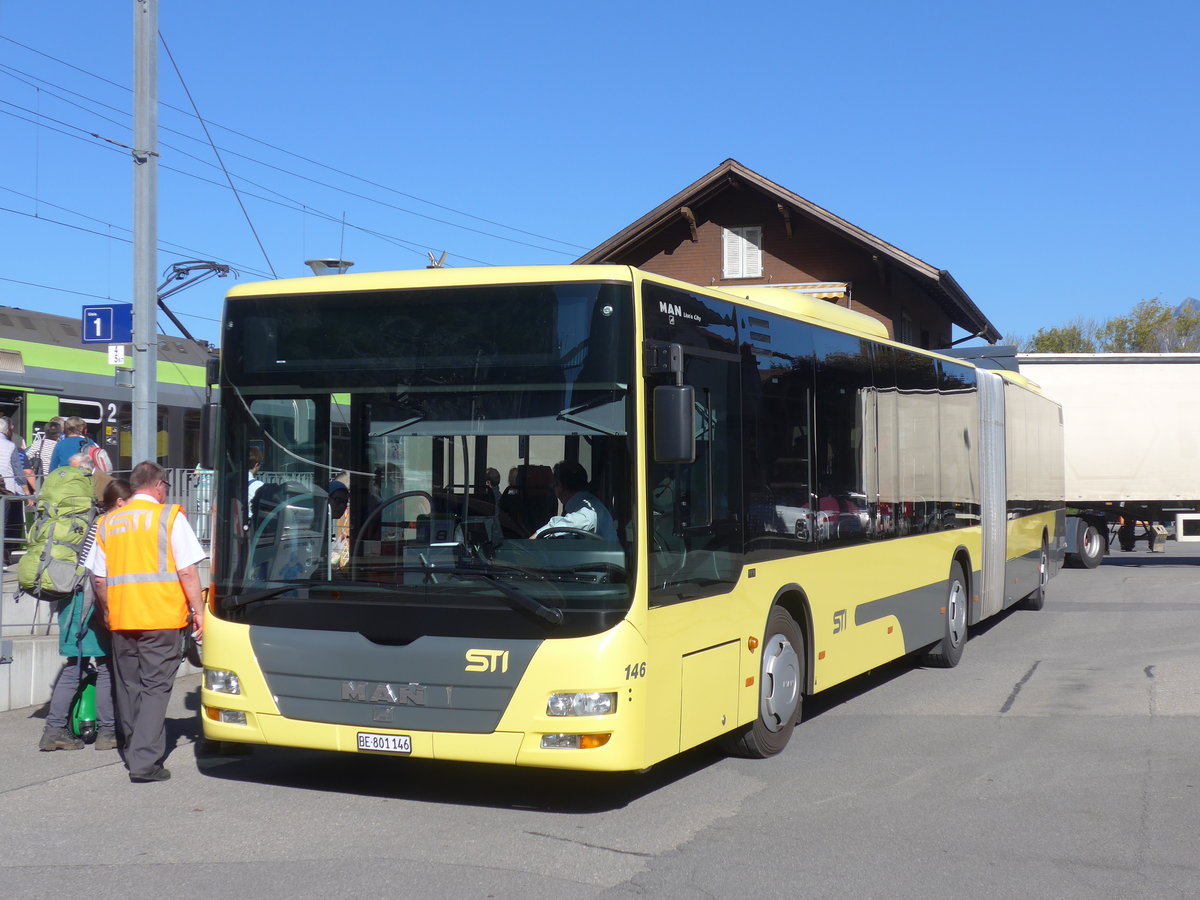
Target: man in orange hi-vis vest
pixel 143 566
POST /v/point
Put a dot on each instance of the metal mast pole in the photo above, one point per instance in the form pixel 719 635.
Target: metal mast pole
pixel 145 230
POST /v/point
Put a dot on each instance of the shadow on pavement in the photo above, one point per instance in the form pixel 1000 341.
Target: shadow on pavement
pixel 465 784
pixel 1135 560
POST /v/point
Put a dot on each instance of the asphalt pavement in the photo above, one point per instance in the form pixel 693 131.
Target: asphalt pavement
pixel 1058 760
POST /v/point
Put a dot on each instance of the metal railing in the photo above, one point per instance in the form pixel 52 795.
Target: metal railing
pixel 190 488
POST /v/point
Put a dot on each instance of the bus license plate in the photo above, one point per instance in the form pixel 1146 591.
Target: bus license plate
pixel 384 743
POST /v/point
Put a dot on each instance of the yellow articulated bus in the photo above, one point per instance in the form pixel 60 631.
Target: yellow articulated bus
pixel 585 517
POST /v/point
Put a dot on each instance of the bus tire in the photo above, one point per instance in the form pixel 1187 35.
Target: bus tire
pixel 780 690
pixel 1037 599
pixel 946 653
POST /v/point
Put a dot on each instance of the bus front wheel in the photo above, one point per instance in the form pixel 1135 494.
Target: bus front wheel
pixel 780 689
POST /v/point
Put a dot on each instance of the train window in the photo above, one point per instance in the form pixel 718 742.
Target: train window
pixel 191 437
pixel 88 410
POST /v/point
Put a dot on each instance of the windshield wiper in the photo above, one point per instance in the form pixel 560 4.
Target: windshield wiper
pixel 245 599
pixel 517 597
pixel 551 614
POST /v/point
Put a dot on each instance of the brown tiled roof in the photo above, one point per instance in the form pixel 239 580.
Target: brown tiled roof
pixel 938 283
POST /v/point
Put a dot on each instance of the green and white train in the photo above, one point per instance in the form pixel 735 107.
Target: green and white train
pixel 46 370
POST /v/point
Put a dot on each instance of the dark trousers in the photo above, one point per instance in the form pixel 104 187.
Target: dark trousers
pixel 14 525
pixel 64 693
pixel 144 663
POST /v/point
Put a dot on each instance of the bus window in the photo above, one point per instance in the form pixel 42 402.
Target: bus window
pixel 843 381
pixel 695 532
pixel 781 515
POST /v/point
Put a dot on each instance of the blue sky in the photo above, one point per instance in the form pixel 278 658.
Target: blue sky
pixel 1043 152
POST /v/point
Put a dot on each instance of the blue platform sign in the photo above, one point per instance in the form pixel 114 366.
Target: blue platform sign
pixel 108 324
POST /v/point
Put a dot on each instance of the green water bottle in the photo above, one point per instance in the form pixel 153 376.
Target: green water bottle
pixel 83 707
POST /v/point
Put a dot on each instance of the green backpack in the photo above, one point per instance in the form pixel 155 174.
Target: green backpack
pixel 52 567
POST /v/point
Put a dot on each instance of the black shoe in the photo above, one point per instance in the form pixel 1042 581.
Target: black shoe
pixel 158 773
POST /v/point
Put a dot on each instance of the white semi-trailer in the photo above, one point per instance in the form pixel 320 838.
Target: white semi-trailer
pixel 1131 431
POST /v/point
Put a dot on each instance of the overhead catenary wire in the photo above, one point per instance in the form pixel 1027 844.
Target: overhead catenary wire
pixel 310 161
pixel 293 174
pixel 217 153
pixel 292 203
pixel 168 247
pixel 39 118
pixel 63 290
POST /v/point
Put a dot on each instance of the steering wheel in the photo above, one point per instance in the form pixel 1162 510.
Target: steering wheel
pixel 378 511
pixel 564 530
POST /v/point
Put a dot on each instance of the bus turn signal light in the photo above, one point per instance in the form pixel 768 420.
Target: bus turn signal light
pixel 574 741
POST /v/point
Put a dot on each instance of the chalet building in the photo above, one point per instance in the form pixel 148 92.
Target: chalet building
pixel 735 227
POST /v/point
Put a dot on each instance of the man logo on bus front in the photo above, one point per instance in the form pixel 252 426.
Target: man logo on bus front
pixel 411 694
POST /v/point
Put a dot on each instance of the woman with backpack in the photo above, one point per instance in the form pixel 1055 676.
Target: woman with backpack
pixel 81 634
pixel 77 441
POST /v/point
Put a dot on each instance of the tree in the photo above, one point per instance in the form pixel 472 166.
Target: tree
pixel 1151 327
pixel 1077 336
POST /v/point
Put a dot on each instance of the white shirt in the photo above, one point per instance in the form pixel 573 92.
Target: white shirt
pixel 184 545
pixel 9 469
pixel 583 511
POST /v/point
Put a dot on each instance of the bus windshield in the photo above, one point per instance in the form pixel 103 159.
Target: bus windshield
pixel 450 461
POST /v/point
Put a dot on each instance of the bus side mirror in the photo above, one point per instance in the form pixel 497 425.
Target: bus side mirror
pixel 674 423
pixel 208 414
pixel 208 434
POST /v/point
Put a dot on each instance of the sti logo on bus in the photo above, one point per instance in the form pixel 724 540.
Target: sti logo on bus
pixel 487 661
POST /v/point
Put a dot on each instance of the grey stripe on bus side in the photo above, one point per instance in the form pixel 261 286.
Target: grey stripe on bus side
pixel 919 612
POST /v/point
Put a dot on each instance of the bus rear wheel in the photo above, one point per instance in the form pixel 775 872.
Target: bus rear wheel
pixel 946 653
pixel 1037 599
pixel 780 687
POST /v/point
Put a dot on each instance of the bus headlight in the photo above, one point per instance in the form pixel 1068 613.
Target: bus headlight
pixel 582 704
pixel 221 681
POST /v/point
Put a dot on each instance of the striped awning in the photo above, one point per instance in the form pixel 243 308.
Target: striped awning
pixel 822 290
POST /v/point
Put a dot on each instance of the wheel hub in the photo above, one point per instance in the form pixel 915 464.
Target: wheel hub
pixel 956 614
pixel 780 682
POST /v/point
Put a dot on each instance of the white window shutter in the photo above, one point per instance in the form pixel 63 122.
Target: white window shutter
pixel 741 252
pixel 752 249
pixel 731 253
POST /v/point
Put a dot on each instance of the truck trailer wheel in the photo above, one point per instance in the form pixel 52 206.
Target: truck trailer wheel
pixel 1092 545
